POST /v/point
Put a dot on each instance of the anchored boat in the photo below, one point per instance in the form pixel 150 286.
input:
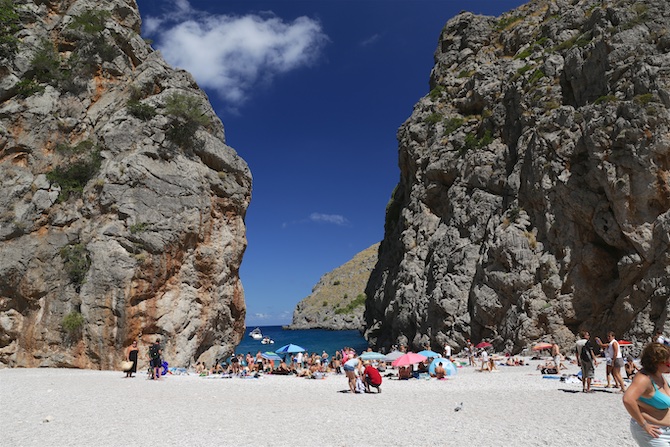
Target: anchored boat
pixel 256 334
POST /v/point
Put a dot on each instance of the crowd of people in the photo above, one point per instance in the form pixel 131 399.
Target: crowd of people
pixel 646 397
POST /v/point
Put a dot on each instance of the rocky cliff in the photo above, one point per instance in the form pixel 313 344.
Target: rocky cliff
pixel 337 301
pixel 121 207
pixel 535 182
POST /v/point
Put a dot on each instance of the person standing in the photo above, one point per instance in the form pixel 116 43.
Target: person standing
pixel 586 359
pixel 647 399
pixel 471 353
pixel 556 355
pixel 608 361
pixel 350 367
pixel 131 356
pixel 617 361
pixel 155 353
pixel 447 351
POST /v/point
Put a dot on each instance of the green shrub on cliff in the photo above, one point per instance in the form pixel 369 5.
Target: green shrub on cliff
pixel 349 308
pixel 186 117
pixel 72 177
pixel 9 26
pixel 76 261
pixel 73 322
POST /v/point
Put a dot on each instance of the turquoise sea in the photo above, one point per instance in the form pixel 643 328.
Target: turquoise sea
pixel 313 340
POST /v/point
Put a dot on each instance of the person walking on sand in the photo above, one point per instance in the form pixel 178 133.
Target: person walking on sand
pixel 155 361
pixel 617 361
pixel 131 356
pixel 586 359
pixel 647 399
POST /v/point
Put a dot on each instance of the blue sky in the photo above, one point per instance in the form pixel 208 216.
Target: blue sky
pixel 311 94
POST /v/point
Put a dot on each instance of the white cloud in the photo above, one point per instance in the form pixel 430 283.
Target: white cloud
pixel 335 219
pixel 370 40
pixel 233 54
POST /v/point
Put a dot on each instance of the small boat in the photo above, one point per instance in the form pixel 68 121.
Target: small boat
pixel 256 334
pixel 267 341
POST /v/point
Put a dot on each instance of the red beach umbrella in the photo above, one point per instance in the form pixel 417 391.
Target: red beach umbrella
pixel 624 343
pixel 483 344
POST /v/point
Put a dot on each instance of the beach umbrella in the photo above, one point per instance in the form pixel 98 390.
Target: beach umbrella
pixel 269 355
pixel 483 344
pixel 369 355
pixel 625 343
pixel 391 356
pixel 446 364
pixel 429 354
pixel 290 349
pixel 542 346
pixel 411 358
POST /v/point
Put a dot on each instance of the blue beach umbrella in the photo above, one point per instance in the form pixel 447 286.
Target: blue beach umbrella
pixel 290 349
pixel 429 354
pixel 368 355
pixel 446 364
pixel 269 355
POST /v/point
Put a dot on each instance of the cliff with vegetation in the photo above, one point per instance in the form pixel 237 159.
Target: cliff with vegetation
pixel 337 301
pixel 121 207
pixel 534 194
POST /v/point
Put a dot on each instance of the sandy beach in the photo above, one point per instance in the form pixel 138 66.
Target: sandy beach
pixel 515 406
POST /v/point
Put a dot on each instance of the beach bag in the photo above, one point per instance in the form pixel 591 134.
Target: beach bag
pixel 126 365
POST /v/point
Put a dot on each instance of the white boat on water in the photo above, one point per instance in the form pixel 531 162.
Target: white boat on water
pixel 256 334
pixel 267 341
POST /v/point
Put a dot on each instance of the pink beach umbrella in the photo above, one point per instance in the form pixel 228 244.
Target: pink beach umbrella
pixel 410 358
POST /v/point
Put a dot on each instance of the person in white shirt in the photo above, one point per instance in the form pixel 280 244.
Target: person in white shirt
pixel 617 361
pixel 447 351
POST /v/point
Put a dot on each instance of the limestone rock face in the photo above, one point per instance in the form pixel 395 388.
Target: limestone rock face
pixel 338 300
pixel 121 207
pixel 534 190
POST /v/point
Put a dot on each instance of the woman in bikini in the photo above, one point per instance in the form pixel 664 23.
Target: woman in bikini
pixel 647 399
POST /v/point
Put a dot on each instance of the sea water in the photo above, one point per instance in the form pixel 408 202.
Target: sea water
pixel 312 340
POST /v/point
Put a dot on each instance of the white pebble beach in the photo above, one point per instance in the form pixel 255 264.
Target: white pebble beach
pixel 514 406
